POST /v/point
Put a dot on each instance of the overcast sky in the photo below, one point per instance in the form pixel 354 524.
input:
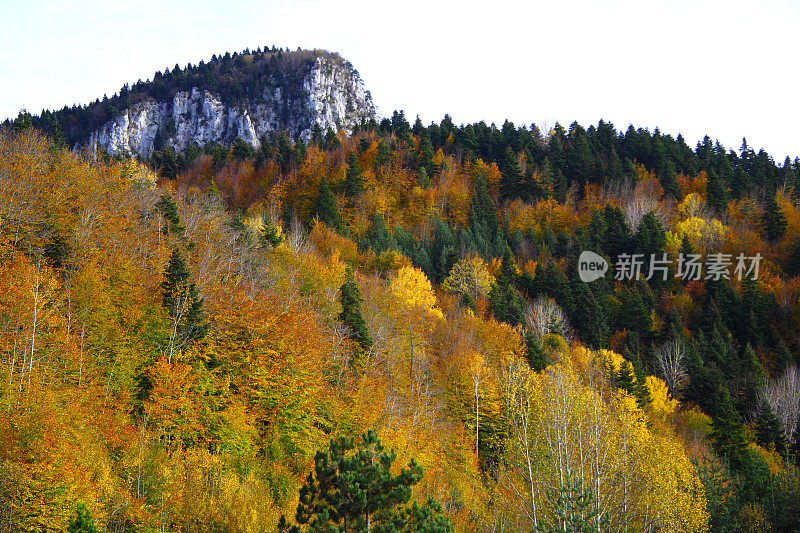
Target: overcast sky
pixel 723 68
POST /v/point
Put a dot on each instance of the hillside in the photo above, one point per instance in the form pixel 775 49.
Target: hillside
pixel 179 340
pixel 249 96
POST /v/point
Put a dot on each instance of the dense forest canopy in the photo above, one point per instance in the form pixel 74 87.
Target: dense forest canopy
pixel 214 339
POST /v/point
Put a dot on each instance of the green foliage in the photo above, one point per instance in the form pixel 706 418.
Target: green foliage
pixel 325 206
pixel 182 302
pixel 270 236
pixel 83 522
pixel 350 298
pixel 352 488
pixel 728 433
pixel 354 180
pixel 169 210
pixel 773 221
pixel 572 508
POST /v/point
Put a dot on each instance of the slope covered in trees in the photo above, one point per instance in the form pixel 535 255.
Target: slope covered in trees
pixel 175 352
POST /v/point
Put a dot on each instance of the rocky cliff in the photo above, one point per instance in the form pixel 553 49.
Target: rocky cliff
pixel 246 95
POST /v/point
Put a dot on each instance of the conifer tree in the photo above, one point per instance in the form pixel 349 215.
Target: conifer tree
pixel 183 304
pixel 352 488
pixel 169 210
pixel 511 185
pixel 716 197
pixel 504 299
pixel 534 353
pixel 354 181
pixel 350 298
pixel 83 522
pixel 270 236
pixel 769 433
pixel 325 206
pixel 773 221
pixel 728 432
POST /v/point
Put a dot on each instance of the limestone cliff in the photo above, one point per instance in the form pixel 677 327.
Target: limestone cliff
pixel 250 96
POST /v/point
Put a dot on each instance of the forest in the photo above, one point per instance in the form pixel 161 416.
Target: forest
pixel 387 331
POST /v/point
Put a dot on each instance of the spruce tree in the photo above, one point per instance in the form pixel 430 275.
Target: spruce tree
pixel 773 221
pixel 511 185
pixel 716 197
pixel 534 353
pixel 325 206
pixel 354 180
pixel 769 432
pixel 728 431
pixel 183 304
pixel 169 210
pixel 83 522
pixel 504 299
pixel 352 488
pixel 350 298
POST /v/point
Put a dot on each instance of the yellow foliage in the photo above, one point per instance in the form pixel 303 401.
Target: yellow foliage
pixel 704 235
pixel 413 290
pixel 662 404
pixel 469 276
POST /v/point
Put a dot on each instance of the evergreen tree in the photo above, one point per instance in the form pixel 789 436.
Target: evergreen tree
pixel 352 488
pixel 728 432
pixel 769 432
pixel 354 181
pixel 169 210
pixel 182 302
pixel 325 206
pixel 83 522
pixel 588 319
pixel 534 353
pixel 573 509
pixel 270 236
pixel 504 299
pixel 511 185
pixel 773 221
pixel 350 298
pixel 716 197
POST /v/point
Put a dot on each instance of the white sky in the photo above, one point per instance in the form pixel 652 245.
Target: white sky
pixel 723 68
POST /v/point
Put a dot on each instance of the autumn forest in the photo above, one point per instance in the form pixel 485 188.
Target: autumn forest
pixel 386 330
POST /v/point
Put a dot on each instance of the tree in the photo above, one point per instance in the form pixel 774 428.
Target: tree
pixel 469 276
pixel 325 206
pixel 504 299
pixel 773 221
pixel 511 184
pixel 83 522
pixel 167 207
pixel 352 488
pixel 184 305
pixel 769 432
pixel 270 235
pixel 572 507
pixel 350 298
pixel 728 432
pixel 354 180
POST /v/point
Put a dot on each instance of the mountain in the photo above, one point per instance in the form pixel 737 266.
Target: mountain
pixel 246 95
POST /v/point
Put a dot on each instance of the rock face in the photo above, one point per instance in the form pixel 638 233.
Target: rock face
pixel 332 96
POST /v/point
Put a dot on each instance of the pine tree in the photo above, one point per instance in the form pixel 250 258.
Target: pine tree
pixel 716 197
pixel 728 432
pixel 169 210
pixel 183 304
pixel 588 318
pixel 573 509
pixel 769 432
pixel 352 488
pixel 350 298
pixel 534 353
pixel 511 185
pixel 773 221
pixel 504 299
pixel 270 236
pixel 325 206
pixel 354 180
pixel 83 522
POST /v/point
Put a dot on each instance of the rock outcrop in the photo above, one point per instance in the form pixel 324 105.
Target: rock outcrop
pixel 330 94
